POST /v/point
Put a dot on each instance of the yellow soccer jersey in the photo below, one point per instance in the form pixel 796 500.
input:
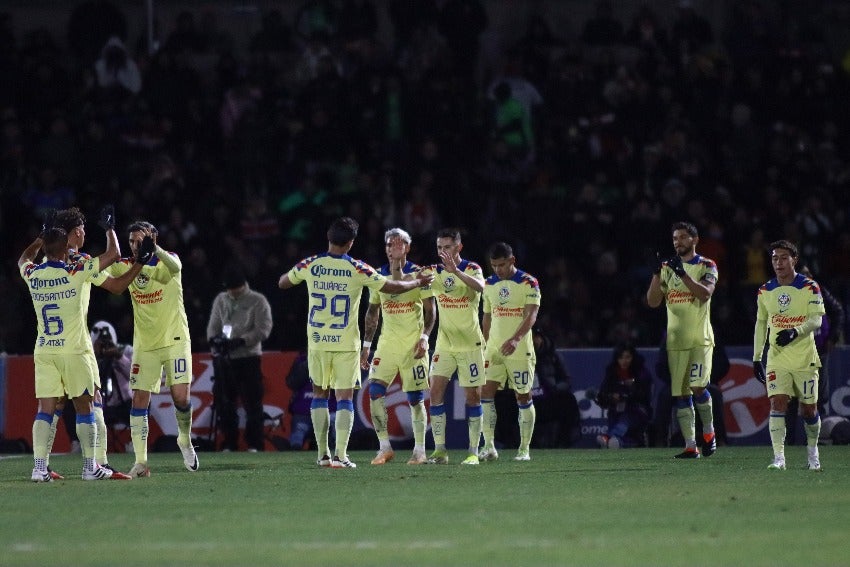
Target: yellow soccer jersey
pixel 159 316
pixel 459 329
pixel 335 284
pixel 786 307
pixel 688 320
pixel 505 301
pixel 402 321
pixel 56 289
pixel 76 256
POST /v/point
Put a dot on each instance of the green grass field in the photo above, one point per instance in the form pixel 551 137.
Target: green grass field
pixel 565 507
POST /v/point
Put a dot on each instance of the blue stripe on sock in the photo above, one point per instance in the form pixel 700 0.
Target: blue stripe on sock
pixel 137 412
pixel 58 413
pixel 377 390
pixel 474 411
pixel 97 404
pixel 487 401
pixel 704 397
pixel 438 409
pixel 85 418
pixel 414 398
pixel 44 417
pixel 777 414
pixel 345 405
pixel 684 403
pixel 525 406
pixel 319 403
pixel 812 420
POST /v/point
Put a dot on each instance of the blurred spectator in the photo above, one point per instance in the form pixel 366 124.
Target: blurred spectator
pixel 626 394
pixel 116 71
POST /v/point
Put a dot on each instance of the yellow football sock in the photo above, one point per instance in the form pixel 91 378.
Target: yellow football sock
pixel 100 446
pixel 41 437
pixel 488 423
pixel 184 425
pixel 527 417
pixel 686 416
pixel 321 419
pixel 139 435
pixel 776 425
pixel 419 423
pixel 343 423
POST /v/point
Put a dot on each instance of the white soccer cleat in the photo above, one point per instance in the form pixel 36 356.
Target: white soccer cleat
pixel 139 470
pixel 490 454
pixel 99 473
pixel 190 457
pixel 39 475
pixel 778 464
pixel 522 455
pixel 323 461
pixel 814 459
pixel 345 463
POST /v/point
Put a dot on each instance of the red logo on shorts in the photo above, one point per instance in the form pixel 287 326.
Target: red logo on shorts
pixel 771 376
pixel 376 361
pixel 135 369
pixel 436 358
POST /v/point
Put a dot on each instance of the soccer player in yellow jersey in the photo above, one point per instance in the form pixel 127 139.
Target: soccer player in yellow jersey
pixel 457 287
pixel 160 342
pixel 511 303
pixel 335 282
pixel 685 283
pixel 790 311
pixel 72 221
pixel 408 319
pixel 63 353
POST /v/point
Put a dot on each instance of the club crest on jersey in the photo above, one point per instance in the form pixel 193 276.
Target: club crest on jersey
pixel 142 280
pixel 504 295
pixel 449 283
pixel 784 302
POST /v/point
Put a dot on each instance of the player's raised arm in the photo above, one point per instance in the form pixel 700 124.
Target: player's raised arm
pixel 450 265
pixel 400 286
pixel 106 221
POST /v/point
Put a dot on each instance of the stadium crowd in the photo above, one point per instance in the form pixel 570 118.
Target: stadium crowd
pixel 581 151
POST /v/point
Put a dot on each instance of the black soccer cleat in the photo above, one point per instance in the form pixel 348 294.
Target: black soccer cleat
pixel 709 447
pixel 688 454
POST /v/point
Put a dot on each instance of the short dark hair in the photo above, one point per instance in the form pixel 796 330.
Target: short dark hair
pixel 233 277
pixel 453 233
pixel 342 231
pixel 142 225
pixel 69 219
pixel 55 242
pixel 784 245
pixel 501 250
pixel 687 227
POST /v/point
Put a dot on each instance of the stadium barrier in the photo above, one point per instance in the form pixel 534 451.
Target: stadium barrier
pixel 745 408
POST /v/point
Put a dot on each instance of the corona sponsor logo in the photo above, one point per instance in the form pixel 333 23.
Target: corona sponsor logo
pixel 319 271
pixel 38 283
pixel 746 407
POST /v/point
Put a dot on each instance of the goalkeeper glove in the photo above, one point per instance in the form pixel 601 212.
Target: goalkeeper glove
pixel 785 336
pixel 145 251
pixel 675 264
pixel 758 371
pixel 656 264
pixel 107 217
pixel 48 221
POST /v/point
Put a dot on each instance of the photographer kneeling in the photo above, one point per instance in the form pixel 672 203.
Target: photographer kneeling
pixel 239 321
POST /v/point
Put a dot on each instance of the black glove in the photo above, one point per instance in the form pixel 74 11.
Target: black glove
pixel 656 264
pixel 145 250
pixel 785 336
pixel 48 221
pixel 235 343
pixel 758 371
pixel 107 217
pixel 675 264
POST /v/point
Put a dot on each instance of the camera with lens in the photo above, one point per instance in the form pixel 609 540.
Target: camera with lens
pixel 220 345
